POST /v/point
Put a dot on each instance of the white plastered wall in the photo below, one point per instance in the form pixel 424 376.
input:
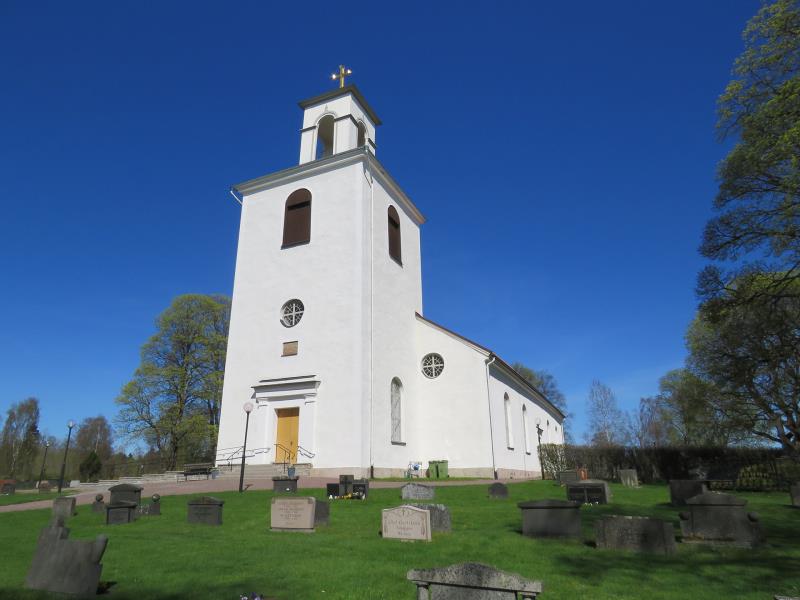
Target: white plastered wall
pixel 326 275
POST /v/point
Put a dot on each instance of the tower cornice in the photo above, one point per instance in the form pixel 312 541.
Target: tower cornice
pixel 348 89
pixel 362 154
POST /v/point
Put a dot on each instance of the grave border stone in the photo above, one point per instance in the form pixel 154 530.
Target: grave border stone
pixel 636 534
pixel 452 582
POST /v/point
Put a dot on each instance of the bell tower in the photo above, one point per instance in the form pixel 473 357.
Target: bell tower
pixel 335 122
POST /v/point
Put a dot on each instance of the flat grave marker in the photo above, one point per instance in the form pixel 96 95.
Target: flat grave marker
pixel 716 518
pixel 64 507
pixel 680 490
pixel 498 490
pixel 98 506
pixel 472 581
pixel 589 491
pixel 407 523
pixel 120 513
pixel 66 566
pixel 638 534
pixel 440 517
pixel 293 514
pixel 794 494
pixel 205 510
pixel 417 491
pixel 629 477
pixel 551 518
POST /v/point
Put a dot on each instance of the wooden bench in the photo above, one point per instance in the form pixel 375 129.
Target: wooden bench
pixel 197 469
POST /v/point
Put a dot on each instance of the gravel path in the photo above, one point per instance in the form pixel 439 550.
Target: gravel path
pixel 229 485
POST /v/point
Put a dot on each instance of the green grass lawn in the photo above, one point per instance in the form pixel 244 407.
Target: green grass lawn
pixel 166 558
pixel 23 496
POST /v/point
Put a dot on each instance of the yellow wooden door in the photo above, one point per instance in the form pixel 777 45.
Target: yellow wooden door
pixel 288 426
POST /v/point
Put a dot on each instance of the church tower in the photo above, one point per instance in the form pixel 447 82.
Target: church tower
pixel 326 288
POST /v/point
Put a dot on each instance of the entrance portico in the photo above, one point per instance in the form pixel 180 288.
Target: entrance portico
pixel 286 409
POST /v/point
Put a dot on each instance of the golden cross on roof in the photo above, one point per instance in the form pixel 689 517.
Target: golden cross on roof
pixel 343 72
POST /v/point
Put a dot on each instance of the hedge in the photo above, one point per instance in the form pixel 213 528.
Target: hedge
pixel 727 468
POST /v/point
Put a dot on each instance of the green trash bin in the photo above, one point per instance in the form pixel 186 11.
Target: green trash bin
pixel 437 469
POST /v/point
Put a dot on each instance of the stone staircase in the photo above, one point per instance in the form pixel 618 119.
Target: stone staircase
pixel 263 471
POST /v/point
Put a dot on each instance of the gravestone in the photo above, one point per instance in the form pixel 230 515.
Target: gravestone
pixel 119 513
pixel 361 487
pixel 345 484
pixel 794 494
pixel 205 510
pixel 629 477
pixel 63 565
pixel 98 506
pixel 293 514
pixel 417 491
pixel 440 517
pixel 8 487
pixel 639 534
pixel 590 491
pixel 125 492
pixel 284 485
pixel 332 490
pixel 680 490
pixel 152 508
pixel 565 477
pixel 407 523
pixel 64 507
pixel 498 490
pixel 551 518
pixel 322 513
pixel 717 518
pixel 45 487
pixel 472 581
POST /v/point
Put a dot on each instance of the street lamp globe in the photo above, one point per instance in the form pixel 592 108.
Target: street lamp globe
pixel 248 407
pixel 70 423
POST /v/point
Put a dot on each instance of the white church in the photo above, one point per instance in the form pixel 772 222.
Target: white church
pixel 328 345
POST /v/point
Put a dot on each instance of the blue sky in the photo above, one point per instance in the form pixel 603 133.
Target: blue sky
pixel 563 153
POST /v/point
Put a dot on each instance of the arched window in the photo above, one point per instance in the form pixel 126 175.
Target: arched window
pixel 509 431
pixel 397 409
pixel 297 218
pixel 325 136
pixel 525 431
pixel 395 249
pixel 362 134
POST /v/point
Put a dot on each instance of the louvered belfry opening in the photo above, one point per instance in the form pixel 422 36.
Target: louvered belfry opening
pixel 394 235
pixel 297 218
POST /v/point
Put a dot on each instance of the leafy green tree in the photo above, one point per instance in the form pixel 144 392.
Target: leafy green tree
pixel 758 225
pixel 94 435
pixel 19 440
pixel 750 352
pixel 90 467
pixel 172 402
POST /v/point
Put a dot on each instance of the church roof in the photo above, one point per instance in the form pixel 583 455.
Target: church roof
pixel 503 364
pixel 348 89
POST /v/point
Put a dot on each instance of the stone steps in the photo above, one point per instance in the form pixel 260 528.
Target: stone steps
pixel 263 471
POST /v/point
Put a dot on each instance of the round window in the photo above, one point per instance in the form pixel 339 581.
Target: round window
pixel 291 313
pixel 432 365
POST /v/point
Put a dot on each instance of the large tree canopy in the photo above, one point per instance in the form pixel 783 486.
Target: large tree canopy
pixel 172 402
pixel 758 223
pixel 18 444
pixel 750 352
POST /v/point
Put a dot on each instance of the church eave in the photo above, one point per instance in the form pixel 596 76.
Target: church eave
pixel 355 155
pixel 508 369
